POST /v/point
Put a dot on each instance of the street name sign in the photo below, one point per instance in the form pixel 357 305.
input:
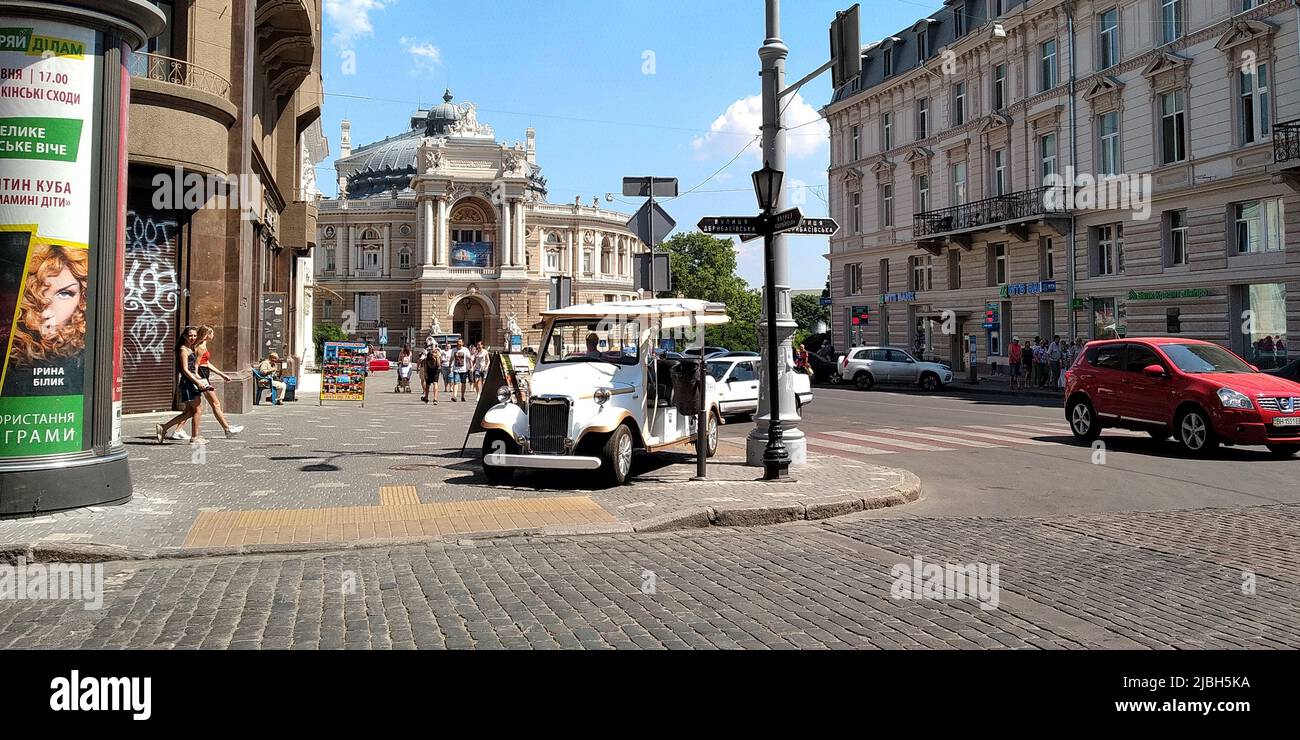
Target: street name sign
pixel 813 226
pixel 730 225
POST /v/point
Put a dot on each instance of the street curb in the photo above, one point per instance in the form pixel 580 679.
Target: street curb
pixel 908 490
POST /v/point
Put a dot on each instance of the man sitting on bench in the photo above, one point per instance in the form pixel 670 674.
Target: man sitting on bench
pixel 269 369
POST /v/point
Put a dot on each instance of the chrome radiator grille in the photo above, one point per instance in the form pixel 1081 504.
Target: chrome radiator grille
pixel 548 425
pixel 1284 404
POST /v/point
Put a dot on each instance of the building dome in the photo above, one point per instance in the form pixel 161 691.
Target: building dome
pixel 441 117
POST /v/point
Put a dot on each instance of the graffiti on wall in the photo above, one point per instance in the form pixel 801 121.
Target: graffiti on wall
pixel 152 293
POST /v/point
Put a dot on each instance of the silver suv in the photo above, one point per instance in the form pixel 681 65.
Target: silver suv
pixel 866 366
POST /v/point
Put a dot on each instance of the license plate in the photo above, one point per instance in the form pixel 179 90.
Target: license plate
pixel 1286 421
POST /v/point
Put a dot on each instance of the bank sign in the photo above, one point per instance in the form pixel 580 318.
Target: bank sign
pixel 1165 295
pixel 898 297
pixel 1018 289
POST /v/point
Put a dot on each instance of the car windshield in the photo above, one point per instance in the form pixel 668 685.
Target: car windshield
pixel 594 340
pixel 1204 358
pixel 717 369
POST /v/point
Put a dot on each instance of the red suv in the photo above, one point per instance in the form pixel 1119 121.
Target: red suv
pixel 1198 391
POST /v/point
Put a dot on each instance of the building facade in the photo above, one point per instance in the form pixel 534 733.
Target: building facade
pixel 224 133
pixel 1095 168
pixel 443 229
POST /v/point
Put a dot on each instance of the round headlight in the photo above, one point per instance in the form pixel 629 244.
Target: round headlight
pixel 601 395
pixel 503 394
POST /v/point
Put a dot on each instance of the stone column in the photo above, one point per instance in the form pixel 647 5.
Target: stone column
pixel 444 231
pixel 386 255
pixel 521 235
pixel 427 233
pixel 575 254
pixel 349 259
pixel 505 247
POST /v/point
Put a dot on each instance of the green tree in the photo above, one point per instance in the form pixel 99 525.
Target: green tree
pixel 326 332
pixel 809 312
pixel 704 267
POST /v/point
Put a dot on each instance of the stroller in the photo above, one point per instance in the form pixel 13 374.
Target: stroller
pixel 404 368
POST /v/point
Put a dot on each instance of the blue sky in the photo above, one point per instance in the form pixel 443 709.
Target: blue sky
pixel 614 88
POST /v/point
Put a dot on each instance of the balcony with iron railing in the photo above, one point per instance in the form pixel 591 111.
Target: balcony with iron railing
pixel 1286 152
pixel 1011 212
pixel 156 67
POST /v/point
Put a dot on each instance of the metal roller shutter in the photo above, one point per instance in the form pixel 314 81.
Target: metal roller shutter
pixel 152 299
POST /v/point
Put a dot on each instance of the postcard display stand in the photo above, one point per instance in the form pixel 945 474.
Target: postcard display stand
pixel 343 372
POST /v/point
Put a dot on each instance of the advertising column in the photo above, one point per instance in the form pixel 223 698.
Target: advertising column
pixel 63 99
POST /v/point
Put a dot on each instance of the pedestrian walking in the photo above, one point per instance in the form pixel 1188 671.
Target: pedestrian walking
pixel 190 387
pixel 430 369
pixel 1040 363
pixel 405 365
pixel 1054 359
pixel 446 367
pixel 1013 362
pixel 1027 359
pixel 206 369
pixel 482 358
pixel 460 367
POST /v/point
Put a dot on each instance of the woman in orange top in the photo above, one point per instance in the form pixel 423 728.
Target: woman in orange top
pixel 206 369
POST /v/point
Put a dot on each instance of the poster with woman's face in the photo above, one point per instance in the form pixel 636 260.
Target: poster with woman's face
pixel 47 330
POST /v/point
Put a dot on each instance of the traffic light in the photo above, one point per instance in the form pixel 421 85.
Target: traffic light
pixel 861 314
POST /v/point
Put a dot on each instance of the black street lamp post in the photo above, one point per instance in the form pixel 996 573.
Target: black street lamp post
pixel 776 459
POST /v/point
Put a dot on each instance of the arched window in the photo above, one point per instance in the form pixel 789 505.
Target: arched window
pixel 404 258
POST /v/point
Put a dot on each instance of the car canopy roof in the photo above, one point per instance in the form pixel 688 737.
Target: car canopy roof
pixel 670 312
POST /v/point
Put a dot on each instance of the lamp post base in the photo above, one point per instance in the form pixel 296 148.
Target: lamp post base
pixel 796 445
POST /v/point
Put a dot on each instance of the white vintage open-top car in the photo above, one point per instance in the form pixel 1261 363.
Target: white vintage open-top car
pixel 600 392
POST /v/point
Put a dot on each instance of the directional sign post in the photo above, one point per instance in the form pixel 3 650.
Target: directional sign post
pixel 651 223
pixel 810 226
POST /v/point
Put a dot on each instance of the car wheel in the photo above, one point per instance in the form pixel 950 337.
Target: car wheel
pixel 929 382
pixel 1083 421
pixel 1284 450
pixel 498 442
pixel 1158 435
pixel 711 436
pixel 864 381
pixel 616 456
pixel 834 379
pixel 1195 433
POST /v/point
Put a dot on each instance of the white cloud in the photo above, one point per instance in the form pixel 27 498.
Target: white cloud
pixel 351 18
pixel 425 56
pixel 744 119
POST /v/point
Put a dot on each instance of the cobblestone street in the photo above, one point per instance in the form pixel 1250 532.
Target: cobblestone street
pixel 1157 580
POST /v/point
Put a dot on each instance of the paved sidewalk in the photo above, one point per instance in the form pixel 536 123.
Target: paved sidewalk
pixel 392 470
pixel 1209 578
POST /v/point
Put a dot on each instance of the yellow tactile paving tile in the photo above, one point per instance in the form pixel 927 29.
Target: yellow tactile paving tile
pixel 399 514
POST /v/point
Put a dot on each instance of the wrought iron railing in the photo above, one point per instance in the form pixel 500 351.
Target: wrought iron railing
pixel 1017 206
pixel 1286 141
pixel 177 72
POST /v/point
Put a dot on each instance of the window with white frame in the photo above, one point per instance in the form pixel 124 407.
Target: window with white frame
pixel 1259 226
pixel 1171 21
pixel 922 193
pixel 1046 155
pixel 1108 151
pixel 1253 109
pixel 886 131
pixel 1173 127
pixel 853 278
pixel 958 170
pixel 1176 236
pixel 327 309
pixel 922 45
pixel 922 118
pixel 1108 38
pixel 999 264
pixel 887 204
pixel 855 199
pixel 999 87
pixel 330 264
pixel 922 273
pixel 367 306
pixel 1047 65
pixel 959 103
pixel 855 147
pixel 1109 242
pixel 999 171
pixel 552 260
pixel 404 258
pixel 404 306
